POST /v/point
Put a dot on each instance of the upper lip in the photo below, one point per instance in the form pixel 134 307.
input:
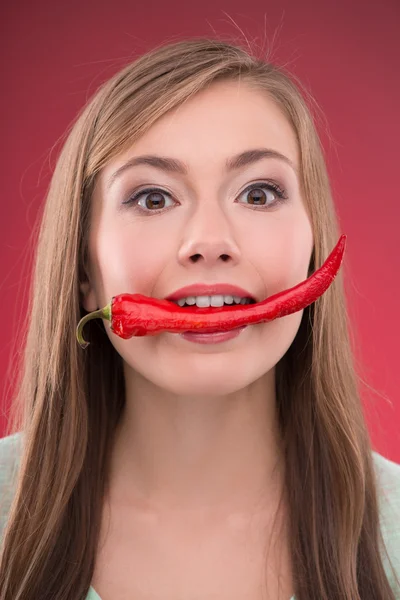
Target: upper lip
pixel 203 289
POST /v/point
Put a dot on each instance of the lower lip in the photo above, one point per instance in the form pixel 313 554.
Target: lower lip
pixel 211 338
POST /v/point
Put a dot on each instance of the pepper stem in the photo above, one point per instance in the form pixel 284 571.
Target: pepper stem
pixel 102 313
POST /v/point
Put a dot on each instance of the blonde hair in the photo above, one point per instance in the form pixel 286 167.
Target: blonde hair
pixel 69 401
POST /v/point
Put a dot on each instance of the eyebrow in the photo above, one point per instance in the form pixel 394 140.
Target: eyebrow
pixel 173 165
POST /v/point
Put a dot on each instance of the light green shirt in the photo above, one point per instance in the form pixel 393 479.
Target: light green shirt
pixel 388 474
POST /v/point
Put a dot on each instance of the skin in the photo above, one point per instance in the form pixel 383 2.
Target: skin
pixel 198 445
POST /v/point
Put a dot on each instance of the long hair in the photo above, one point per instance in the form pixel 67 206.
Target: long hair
pixel 69 401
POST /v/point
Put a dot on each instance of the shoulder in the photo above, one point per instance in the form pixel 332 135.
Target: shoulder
pixel 388 483
pixel 10 451
pixel 388 480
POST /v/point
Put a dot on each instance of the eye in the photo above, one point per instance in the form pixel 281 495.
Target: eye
pixel 152 199
pixel 257 193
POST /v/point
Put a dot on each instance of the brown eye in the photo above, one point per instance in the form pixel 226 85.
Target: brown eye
pixel 263 194
pixel 257 196
pixel 153 199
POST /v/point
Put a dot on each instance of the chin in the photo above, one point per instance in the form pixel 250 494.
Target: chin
pixel 212 381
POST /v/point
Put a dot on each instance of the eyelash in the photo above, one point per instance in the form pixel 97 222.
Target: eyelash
pixel 271 186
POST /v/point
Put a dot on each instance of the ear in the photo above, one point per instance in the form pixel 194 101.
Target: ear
pixel 88 297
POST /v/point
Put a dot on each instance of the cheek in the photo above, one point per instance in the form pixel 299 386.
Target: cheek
pixel 286 257
pixel 126 260
pixel 278 335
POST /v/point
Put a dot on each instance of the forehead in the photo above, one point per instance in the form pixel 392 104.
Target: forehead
pixel 214 124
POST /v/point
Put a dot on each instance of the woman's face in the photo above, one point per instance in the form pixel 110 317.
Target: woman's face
pixel 203 226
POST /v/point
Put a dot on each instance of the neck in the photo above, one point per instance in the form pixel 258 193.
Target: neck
pixel 197 453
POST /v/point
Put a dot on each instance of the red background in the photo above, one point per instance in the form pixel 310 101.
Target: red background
pixel 56 54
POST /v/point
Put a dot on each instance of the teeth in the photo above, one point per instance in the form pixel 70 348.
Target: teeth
pixel 206 301
pixel 189 300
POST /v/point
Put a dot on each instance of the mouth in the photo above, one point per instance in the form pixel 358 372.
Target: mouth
pixel 211 295
pixel 210 302
pixel 217 301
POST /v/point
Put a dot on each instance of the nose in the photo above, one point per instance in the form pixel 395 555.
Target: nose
pixel 209 237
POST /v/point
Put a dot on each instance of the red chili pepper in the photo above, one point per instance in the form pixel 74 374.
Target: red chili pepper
pixel 139 315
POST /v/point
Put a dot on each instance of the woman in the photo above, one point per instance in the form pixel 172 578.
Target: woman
pixel 182 466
